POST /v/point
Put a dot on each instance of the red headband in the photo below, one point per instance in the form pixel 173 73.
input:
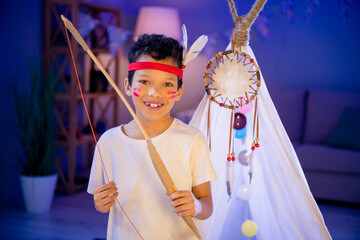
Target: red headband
pixel 156 66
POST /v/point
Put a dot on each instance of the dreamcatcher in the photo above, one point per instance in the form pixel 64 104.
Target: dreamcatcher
pixel 232 80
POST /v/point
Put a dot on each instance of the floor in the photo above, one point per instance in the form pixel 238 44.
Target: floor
pixel 74 218
pixel 71 218
pixel 343 222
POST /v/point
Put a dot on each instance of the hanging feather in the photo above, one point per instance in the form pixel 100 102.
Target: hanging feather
pixel 228 181
pixel 185 40
pixel 233 175
pixel 228 189
pixel 195 49
pixel 251 158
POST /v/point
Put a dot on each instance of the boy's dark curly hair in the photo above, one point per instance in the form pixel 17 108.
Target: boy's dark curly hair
pixel 158 47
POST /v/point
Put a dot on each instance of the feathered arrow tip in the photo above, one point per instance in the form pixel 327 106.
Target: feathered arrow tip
pixel 195 49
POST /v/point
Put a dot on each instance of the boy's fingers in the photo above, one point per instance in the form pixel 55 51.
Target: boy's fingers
pixel 105 187
pixel 104 194
pixel 183 208
pixel 111 198
pixel 104 204
pixel 109 205
pixel 182 201
pixel 105 207
pixel 179 194
pixel 184 211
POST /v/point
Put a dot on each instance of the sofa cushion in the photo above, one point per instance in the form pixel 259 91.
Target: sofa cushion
pixel 314 157
pixel 334 187
pixel 290 107
pixel 323 112
pixel 347 131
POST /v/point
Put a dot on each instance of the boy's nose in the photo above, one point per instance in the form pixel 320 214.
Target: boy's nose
pixel 154 92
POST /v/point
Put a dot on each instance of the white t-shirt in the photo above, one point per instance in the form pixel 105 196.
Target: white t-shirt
pixel 184 152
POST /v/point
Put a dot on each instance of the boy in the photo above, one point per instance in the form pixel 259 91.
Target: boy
pixel 154 84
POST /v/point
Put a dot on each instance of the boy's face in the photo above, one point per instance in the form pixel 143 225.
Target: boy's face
pixel 153 92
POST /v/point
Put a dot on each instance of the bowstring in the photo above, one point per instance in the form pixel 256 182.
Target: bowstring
pixel 92 130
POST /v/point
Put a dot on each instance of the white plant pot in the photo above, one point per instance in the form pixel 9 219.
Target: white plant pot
pixel 38 192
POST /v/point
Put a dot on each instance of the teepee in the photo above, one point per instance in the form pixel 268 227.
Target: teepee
pixel 281 203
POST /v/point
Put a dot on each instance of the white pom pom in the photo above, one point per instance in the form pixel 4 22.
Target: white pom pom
pixel 232 80
pixel 244 192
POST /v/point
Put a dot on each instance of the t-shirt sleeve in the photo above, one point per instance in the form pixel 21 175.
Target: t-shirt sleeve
pixel 97 176
pixel 201 167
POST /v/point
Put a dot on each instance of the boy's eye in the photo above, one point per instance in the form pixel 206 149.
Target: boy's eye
pixel 143 81
pixel 168 84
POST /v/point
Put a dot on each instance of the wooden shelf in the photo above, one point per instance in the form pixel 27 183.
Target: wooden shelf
pixel 65 49
pixel 100 8
pixel 68 101
pixel 85 139
pixel 87 96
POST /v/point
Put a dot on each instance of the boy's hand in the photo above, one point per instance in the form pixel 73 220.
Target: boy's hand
pixel 185 204
pixel 104 197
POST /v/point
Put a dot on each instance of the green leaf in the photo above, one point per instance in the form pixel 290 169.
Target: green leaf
pixel 34 123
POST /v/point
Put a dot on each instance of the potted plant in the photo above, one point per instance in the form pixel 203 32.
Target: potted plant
pixel 34 98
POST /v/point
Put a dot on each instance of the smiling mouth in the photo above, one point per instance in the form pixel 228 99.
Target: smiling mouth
pixel 154 106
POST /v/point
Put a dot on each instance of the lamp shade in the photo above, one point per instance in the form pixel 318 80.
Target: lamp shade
pixel 159 20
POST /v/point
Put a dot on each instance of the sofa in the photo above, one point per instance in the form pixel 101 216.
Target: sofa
pixel 324 127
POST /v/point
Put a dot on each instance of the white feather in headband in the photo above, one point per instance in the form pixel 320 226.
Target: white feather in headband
pixel 195 49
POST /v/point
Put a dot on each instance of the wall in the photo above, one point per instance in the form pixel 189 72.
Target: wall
pixel 21 38
pixel 319 54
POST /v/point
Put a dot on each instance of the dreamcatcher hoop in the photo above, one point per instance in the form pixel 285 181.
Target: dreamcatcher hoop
pixel 223 97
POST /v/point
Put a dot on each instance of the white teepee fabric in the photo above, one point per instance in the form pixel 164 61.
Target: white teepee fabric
pixel 281 203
